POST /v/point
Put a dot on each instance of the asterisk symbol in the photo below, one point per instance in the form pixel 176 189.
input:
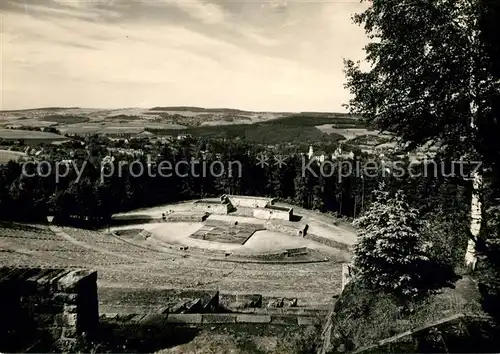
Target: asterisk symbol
pixel 280 160
pixel 262 160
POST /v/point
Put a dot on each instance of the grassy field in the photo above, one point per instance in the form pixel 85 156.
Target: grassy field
pixel 16 134
pixel 65 119
pixel 112 127
pixel 7 155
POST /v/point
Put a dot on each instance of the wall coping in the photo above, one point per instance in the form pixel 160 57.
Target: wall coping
pixel 214 318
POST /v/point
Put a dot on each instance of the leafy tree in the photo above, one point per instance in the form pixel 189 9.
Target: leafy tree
pixel 429 71
pixel 390 251
pixel 489 125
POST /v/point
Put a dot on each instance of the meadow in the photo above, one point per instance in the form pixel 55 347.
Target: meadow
pixel 7 155
pixel 18 134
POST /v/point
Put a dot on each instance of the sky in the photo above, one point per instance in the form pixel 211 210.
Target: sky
pixel 256 55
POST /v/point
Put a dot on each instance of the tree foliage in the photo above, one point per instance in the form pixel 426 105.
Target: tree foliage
pixel 429 73
pixel 390 251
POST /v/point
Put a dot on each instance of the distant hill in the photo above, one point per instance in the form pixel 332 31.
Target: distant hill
pixel 38 109
pixel 327 114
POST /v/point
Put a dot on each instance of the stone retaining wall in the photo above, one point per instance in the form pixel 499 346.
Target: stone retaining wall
pixel 134 219
pixel 46 306
pixel 212 318
pixel 187 217
pixel 327 242
pixel 268 213
pixel 212 208
pixel 250 202
pixel 244 211
pixel 289 228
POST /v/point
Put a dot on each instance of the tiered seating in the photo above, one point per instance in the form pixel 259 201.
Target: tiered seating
pixel 111 245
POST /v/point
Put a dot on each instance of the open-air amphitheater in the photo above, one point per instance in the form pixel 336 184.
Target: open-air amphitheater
pixel 222 260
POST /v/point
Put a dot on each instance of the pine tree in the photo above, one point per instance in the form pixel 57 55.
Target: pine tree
pixel 390 249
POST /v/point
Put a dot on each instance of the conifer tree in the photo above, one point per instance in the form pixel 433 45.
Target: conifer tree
pixel 390 249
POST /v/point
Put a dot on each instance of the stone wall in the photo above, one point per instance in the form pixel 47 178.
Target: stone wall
pixel 327 242
pixel 46 306
pixel 244 211
pixel 186 217
pixel 212 208
pixel 287 227
pixel 271 212
pixel 135 219
pixel 250 202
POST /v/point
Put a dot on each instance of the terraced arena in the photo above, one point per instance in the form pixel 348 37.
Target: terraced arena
pixel 238 234
pixel 238 255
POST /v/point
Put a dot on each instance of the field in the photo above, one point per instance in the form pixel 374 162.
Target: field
pixel 16 134
pixel 7 155
pixel 258 127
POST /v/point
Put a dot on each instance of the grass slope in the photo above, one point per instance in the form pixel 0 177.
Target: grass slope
pixel 7 155
pixel 15 134
pixel 65 119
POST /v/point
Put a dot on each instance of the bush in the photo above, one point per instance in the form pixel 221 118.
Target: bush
pixel 390 253
pixel 449 238
pixel 308 342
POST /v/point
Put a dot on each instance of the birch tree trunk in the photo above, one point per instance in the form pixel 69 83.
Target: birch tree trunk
pixel 475 226
pixel 476 216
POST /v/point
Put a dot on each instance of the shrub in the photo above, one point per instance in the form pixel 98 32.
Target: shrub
pixel 390 252
pixel 449 238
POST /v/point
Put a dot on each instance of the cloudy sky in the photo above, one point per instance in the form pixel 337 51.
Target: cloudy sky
pixel 248 54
